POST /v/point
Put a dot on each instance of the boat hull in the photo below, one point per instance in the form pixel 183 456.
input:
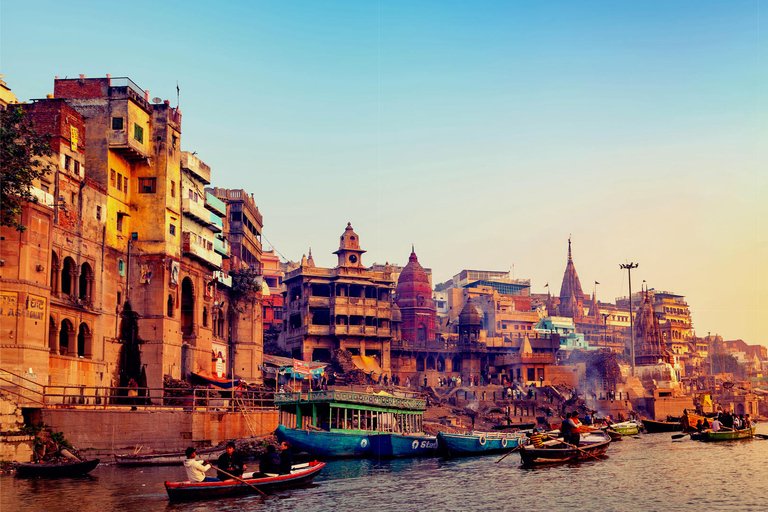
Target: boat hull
pixel 388 445
pixel 64 470
pixel 654 427
pixel 326 444
pixel 532 457
pixel 728 435
pixel 626 429
pixel 468 445
pixel 188 491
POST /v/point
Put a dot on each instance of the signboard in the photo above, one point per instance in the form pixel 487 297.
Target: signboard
pixel 73 137
pixel 33 307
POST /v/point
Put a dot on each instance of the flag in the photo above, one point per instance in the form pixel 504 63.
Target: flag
pixel 596 282
pixel 546 285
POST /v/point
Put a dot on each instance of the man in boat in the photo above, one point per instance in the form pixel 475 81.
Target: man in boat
pixel 575 425
pixel 270 460
pixel 196 469
pixel 286 458
pixel 230 462
pixel 716 425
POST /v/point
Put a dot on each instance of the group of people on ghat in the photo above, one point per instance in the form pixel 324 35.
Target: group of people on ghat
pixel 230 464
pixel 725 420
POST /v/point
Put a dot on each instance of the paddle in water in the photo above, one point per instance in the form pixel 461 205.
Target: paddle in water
pixel 573 446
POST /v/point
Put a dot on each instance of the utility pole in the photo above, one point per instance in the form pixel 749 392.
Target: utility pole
pixel 629 267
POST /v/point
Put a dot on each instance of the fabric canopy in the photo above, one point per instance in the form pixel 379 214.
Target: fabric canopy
pixel 368 365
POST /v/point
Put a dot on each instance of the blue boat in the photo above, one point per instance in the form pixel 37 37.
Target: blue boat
pixel 478 443
pixel 326 444
pixel 388 445
pixel 337 423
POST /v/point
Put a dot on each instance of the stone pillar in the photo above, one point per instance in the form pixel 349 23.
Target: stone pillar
pixel 72 343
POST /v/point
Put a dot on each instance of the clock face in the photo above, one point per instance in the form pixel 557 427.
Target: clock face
pixel 352 258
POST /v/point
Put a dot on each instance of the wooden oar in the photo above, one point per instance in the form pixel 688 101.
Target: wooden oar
pixel 760 436
pixel 572 446
pixel 509 452
pixel 242 481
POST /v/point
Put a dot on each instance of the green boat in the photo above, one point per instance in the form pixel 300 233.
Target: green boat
pixel 728 435
pixel 626 428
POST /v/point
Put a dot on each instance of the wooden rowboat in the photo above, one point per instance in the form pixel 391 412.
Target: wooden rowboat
pixel 592 446
pixel 301 474
pixel 61 470
pixel 653 427
pixel 728 435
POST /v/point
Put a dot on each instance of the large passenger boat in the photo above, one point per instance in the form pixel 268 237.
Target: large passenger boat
pixel 338 423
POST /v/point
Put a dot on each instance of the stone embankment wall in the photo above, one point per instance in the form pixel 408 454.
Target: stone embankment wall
pixel 124 431
pixel 13 444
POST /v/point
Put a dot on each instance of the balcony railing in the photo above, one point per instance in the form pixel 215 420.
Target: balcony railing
pixel 120 142
pixel 192 248
pixel 196 211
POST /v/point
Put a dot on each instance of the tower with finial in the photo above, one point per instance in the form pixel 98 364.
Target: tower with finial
pixel 571 293
pixel 349 252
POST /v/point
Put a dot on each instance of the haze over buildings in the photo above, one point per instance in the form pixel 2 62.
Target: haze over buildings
pixel 485 134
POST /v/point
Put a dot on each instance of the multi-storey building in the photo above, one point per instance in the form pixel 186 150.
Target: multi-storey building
pixel 346 307
pixel 244 225
pixel 272 302
pixel 125 265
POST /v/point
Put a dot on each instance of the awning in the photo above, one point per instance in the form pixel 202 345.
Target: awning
pixel 368 364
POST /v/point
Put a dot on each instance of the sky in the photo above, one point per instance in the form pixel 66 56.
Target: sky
pixel 484 133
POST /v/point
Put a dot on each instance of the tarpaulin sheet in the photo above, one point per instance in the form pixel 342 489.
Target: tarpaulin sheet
pixel 368 365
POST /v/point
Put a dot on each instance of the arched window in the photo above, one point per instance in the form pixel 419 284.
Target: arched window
pixel 84 342
pixel 67 333
pixel 68 273
pixel 85 284
pixel 169 306
pixel 187 307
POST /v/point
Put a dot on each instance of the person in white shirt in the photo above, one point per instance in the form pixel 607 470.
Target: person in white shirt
pixel 716 425
pixel 196 469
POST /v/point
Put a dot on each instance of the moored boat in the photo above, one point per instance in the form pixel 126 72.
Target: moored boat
pixel 391 445
pixel 478 443
pixel 615 436
pixel 166 458
pixel 653 427
pixel 728 434
pixel 301 474
pixel 58 470
pixel 591 447
pixel 690 420
pixel 338 423
pixel 626 428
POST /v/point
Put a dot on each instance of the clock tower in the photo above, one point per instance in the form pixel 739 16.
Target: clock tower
pixel 349 252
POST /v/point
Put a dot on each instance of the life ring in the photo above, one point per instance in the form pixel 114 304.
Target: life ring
pixel 482 440
pixel 364 443
pixel 504 442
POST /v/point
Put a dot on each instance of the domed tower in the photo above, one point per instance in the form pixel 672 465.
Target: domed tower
pixel 571 294
pixel 469 324
pixel 413 297
pixel 349 252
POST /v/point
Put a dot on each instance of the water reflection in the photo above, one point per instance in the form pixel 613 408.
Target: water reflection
pixel 650 473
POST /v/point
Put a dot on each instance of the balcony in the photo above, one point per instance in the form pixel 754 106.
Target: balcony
pixel 192 248
pixel 196 211
pixel 196 167
pixel 222 279
pixel 120 142
pixel 215 205
pixel 221 246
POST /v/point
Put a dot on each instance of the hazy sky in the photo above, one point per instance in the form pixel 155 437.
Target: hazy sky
pixel 485 133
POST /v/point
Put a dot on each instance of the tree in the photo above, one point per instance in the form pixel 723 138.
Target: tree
pixel 245 285
pixel 726 363
pixel 22 150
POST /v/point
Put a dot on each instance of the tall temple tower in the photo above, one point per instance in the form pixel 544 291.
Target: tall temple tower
pixel 413 297
pixel 571 294
pixel 649 346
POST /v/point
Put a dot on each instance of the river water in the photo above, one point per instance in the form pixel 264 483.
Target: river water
pixel 648 473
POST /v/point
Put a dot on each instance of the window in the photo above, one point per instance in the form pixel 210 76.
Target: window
pixel 45 188
pixel 138 133
pixel 67 162
pixel 119 181
pixel 125 184
pixel 119 298
pixel 117 123
pixel 147 185
pixel 173 189
pixel 134 236
pixel 120 223
pixel 112 175
pixel 172 229
pixel 77 167
pixel 173 140
pixel 192 195
pixel 72 198
pixel 121 268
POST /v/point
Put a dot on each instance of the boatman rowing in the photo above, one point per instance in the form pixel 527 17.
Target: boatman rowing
pixel 196 469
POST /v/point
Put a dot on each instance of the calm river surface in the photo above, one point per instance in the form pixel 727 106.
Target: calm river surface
pixel 645 474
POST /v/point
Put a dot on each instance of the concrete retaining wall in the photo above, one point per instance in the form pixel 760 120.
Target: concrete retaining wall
pixel 122 431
